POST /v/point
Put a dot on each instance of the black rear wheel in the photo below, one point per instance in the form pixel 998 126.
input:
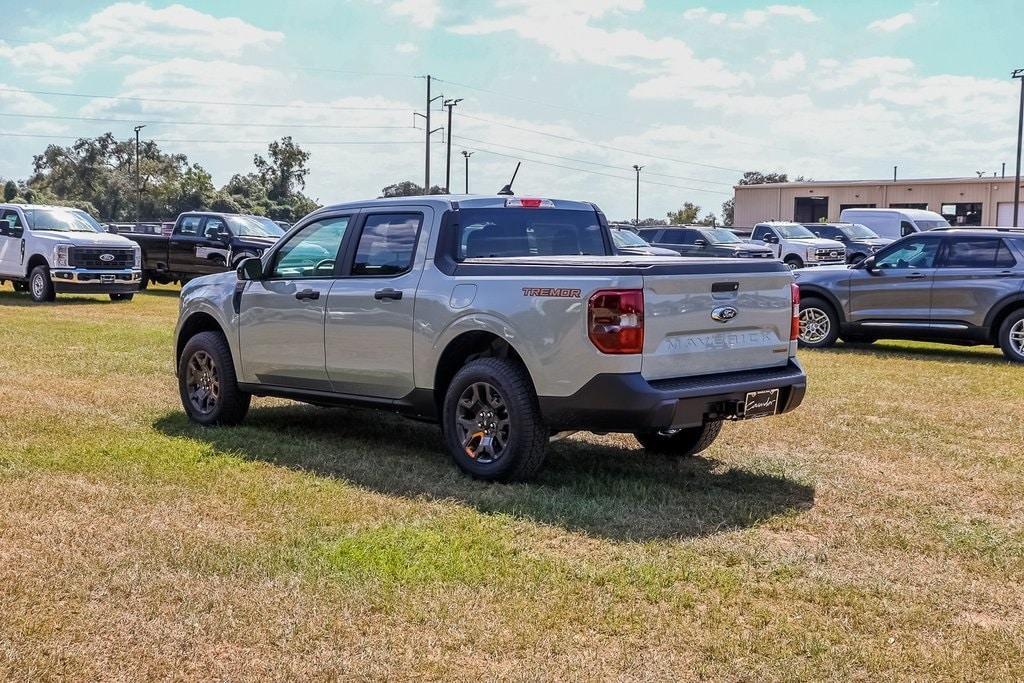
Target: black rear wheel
pixel 680 443
pixel 491 421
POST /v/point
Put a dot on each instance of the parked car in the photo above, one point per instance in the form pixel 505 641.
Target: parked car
pixel 894 223
pixel 860 241
pixel 201 243
pixel 797 246
pixel 957 286
pixel 50 250
pixel 628 242
pixel 704 241
pixel 507 319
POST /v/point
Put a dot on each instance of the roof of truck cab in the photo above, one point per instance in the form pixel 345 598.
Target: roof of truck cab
pixel 449 201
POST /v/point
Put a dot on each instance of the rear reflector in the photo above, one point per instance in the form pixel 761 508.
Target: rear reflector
pixel 615 319
pixel 794 327
pixel 529 203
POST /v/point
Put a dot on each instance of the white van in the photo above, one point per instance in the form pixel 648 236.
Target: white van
pixel 894 223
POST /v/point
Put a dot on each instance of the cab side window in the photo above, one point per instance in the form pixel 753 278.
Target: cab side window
pixel 214 227
pixel 9 220
pixel 387 244
pixel 190 226
pixel 674 237
pixel 913 253
pixel 760 232
pixel 907 228
pixel 311 252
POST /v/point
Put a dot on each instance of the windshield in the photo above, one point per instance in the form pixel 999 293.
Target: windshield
pixel 931 225
pixel 721 236
pixel 628 238
pixel 504 232
pixel 246 226
pixel 858 232
pixel 270 226
pixel 794 232
pixel 62 220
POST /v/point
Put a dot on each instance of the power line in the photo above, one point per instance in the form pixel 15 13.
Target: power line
pixel 204 102
pixel 175 122
pixel 227 142
pixel 597 144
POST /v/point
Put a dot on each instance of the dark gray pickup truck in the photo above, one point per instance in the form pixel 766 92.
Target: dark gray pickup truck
pixel 202 243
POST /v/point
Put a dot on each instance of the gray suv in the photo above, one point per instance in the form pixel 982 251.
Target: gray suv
pixel 957 286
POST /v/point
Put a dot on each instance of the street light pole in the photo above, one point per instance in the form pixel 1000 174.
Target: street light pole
pixel 450 104
pixel 1018 73
pixel 138 182
pixel 637 169
pixel 467 155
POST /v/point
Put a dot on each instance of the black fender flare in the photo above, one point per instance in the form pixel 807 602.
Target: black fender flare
pixel 810 290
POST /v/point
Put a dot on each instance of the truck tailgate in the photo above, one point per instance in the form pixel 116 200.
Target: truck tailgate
pixel 750 328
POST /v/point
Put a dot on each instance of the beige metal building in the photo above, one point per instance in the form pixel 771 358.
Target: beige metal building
pixel 963 201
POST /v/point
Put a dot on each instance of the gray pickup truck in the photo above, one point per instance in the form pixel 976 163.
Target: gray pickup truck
pixel 509 320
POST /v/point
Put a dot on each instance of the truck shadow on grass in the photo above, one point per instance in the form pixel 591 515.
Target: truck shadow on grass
pixel 23 300
pixel 607 491
pixel 965 354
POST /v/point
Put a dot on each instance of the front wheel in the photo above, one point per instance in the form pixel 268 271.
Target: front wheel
pixel 793 262
pixel 680 443
pixel 40 286
pixel 1011 337
pixel 492 424
pixel 819 325
pixel 207 383
pixel 122 297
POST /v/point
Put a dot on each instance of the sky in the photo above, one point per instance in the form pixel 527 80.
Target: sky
pixel 580 91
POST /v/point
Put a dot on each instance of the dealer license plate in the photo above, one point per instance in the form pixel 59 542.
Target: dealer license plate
pixel 761 404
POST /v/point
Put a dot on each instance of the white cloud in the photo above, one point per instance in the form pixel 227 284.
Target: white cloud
pixel 406 48
pixel 22 102
pixel 751 18
pixel 894 23
pixel 783 69
pixel 423 13
pixel 704 14
pixel 834 75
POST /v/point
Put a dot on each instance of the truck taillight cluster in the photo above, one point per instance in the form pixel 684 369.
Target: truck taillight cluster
pixel 615 320
pixel 794 327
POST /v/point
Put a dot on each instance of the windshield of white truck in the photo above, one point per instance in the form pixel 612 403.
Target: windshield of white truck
pixel 794 232
pixel 504 232
pixel 61 220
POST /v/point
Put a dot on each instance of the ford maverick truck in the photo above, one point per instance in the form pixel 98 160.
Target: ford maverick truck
pixel 508 320
pixel 49 250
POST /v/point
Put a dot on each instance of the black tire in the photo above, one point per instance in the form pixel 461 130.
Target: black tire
pixel 517 453
pixel 229 404
pixel 144 282
pixel 793 262
pixel 682 443
pixel 1011 336
pixel 122 297
pixel 40 286
pixel 825 322
pixel 20 287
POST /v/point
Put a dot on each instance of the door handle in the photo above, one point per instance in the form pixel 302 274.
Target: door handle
pixel 393 294
pixel 311 294
pixel 915 276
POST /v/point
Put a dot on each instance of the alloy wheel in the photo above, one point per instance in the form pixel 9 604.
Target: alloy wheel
pixel 814 325
pixel 202 382
pixel 1017 337
pixel 482 422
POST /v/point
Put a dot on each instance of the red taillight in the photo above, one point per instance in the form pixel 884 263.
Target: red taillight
pixel 615 318
pixel 794 327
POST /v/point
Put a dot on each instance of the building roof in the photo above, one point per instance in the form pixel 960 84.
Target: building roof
pixel 888 181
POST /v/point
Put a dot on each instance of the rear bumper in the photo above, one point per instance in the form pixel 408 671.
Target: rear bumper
pixel 629 403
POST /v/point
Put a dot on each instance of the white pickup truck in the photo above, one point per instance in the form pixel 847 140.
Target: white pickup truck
pixel 509 320
pixel 797 246
pixel 47 250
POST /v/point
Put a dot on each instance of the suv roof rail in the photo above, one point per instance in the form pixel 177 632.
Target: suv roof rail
pixel 992 228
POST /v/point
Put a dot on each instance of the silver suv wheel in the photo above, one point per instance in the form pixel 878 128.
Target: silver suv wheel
pixel 815 325
pixel 1017 337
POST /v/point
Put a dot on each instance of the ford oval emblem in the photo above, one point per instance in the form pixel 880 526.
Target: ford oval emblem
pixel 724 313
pixel 106 257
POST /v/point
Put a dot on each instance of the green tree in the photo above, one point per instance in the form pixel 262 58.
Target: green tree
pixel 285 171
pixel 760 178
pixel 727 211
pixel 687 215
pixel 408 188
pixel 10 190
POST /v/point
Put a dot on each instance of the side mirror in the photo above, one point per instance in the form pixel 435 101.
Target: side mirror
pixel 770 239
pixel 15 231
pixel 700 243
pixel 868 264
pixel 250 269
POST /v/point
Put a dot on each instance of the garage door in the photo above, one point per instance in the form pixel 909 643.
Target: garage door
pixel 1004 214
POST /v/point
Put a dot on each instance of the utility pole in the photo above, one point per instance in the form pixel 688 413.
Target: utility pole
pixel 429 132
pixel 450 104
pixel 894 173
pixel 637 169
pixel 138 182
pixel 467 155
pixel 1018 73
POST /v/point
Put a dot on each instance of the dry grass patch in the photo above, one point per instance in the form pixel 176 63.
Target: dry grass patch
pixel 876 533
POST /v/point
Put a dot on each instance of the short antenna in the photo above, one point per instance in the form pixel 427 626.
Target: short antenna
pixel 507 190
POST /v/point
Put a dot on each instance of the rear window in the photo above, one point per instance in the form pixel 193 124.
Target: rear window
pixel 504 232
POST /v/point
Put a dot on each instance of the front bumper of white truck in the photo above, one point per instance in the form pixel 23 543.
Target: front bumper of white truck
pixel 89 281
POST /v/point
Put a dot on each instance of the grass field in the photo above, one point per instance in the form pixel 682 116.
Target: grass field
pixel 876 533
